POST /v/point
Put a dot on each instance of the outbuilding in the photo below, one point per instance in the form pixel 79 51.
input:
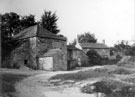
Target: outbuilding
pixel 40 49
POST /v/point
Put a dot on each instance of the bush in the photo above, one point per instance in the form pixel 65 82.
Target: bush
pixel 118 57
pixel 94 57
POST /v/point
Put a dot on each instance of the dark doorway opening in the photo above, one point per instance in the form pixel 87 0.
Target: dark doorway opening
pixel 25 62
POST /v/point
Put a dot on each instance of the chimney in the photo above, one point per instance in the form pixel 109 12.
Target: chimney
pixel 103 41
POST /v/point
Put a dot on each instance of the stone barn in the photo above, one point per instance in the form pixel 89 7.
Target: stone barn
pixel 102 49
pixel 40 49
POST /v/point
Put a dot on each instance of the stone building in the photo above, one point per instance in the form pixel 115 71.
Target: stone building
pixel 40 49
pixel 102 49
pixel 76 57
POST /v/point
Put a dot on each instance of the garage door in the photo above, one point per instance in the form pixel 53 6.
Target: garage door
pixel 46 62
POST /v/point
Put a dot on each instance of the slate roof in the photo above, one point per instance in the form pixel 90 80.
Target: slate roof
pixel 94 46
pixel 36 31
pixel 72 47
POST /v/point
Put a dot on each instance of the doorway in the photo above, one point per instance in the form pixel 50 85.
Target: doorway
pixel 46 63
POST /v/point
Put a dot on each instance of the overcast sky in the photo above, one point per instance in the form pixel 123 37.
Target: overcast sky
pixel 109 20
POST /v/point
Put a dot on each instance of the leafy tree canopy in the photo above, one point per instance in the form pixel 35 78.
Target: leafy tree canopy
pixel 12 23
pixel 125 48
pixel 49 21
pixel 87 38
pixel 121 46
pixel 27 21
pixel 73 43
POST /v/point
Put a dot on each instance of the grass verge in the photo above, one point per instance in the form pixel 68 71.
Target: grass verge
pixel 9 80
pixel 81 75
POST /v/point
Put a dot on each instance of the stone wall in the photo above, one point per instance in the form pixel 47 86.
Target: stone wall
pixel 20 54
pixel 77 58
pixel 58 59
pixel 33 53
pixel 32 48
pixel 43 45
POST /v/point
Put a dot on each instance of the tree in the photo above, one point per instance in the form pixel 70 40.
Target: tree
pixel 87 38
pixel 124 48
pixel 73 43
pixel 10 25
pixel 123 45
pixel 48 21
pixel 27 21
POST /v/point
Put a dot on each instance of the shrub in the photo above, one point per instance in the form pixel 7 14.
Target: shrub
pixel 118 57
pixel 94 57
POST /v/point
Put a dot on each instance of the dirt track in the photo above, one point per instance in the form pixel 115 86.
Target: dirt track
pixel 39 86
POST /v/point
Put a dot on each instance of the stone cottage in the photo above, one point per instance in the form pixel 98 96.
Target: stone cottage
pixel 102 49
pixel 40 49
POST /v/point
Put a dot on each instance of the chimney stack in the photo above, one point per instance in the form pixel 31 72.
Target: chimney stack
pixel 103 41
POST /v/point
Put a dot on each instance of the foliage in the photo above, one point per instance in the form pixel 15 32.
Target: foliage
pixel 12 24
pixel 73 43
pixel 118 57
pixel 124 48
pixel 94 57
pixel 87 38
pixel 48 21
pixel 27 21
pixel 122 45
pixel 130 51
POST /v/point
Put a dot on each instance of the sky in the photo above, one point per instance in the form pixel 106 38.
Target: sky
pixel 109 20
